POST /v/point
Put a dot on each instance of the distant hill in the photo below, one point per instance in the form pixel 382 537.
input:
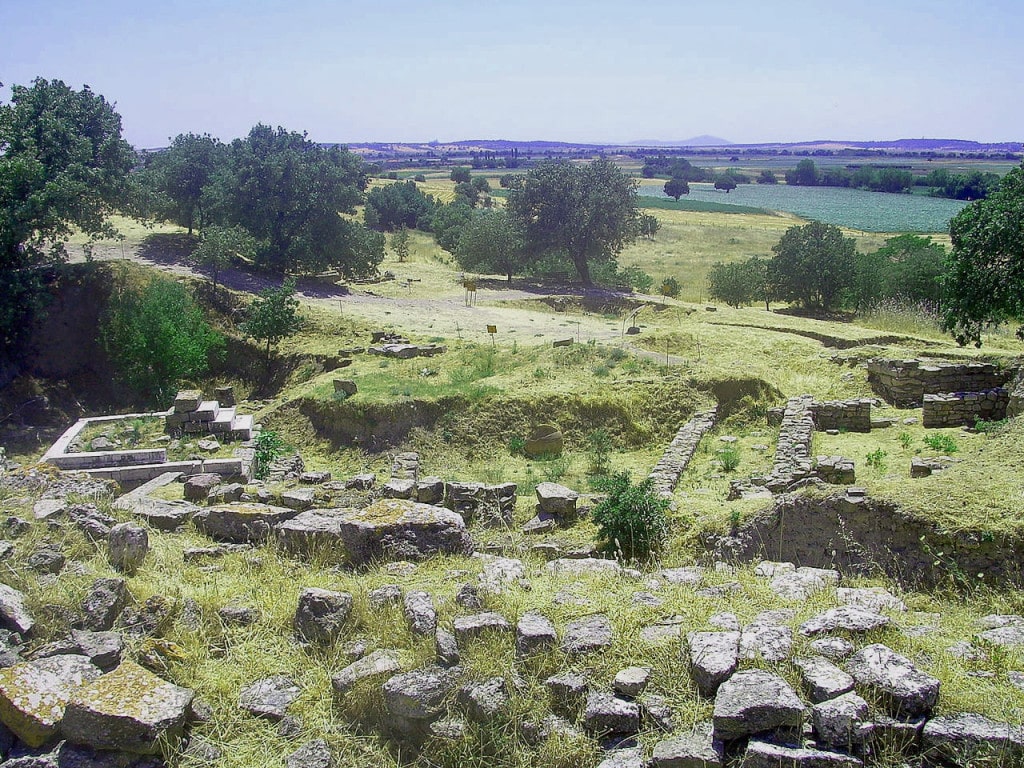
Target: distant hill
pixel 703 140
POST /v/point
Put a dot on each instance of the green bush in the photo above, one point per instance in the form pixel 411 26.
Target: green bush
pixel 941 443
pixel 269 446
pixel 632 521
pixel 729 457
pixel 876 459
pixel 599 444
pixel 670 287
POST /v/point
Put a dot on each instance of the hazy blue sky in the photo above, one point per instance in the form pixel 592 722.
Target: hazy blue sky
pixel 414 70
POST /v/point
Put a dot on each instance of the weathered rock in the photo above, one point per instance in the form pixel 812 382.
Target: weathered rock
pixel 870 598
pixel 321 614
pixel 449 729
pixel 430 490
pixel 821 679
pixel 588 634
pixel 13 612
pixel 418 695
pixel 312 754
pixel 905 690
pixel 299 499
pixel 713 658
pixel 544 440
pixel 91 521
pixel 468 627
pixel 161 514
pixel 484 700
pixel 534 633
pixel 363 482
pixel 691 576
pixel 399 529
pixel 696 749
pixel 446 648
pixel 568 691
pixel 835 648
pixel 621 757
pixel 841 723
pixel 105 601
pixel 1010 636
pixel 499 572
pixel 849 618
pixel 762 754
pixel 46 560
pixel 241 523
pixel 315 478
pixel 129 709
pixel 753 701
pixel 967 736
pixel 49 509
pixel 226 493
pixel 269 698
pixel 198 487
pixel 765 639
pixel 34 694
pixel 127 546
pixel 557 500
pixel 468 596
pixel 406 466
pixel 315 531
pixel 380 662
pixel 238 615
pixel 803 582
pixel 605 714
pixel 388 594
pixel 572 566
pixel 420 612
pixel 631 681
pixel 104 649
pixel 398 489
pixel 656 713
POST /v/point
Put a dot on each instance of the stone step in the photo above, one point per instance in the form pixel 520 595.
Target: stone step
pixel 207 411
pixel 225 421
pixel 241 427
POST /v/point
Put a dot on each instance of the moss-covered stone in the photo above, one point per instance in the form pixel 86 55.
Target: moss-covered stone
pixel 34 694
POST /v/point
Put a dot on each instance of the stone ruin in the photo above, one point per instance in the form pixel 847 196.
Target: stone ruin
pixel 666 473
pixel 386 344
pixel 904 383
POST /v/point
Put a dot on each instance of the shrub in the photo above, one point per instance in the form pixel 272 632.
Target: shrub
pixel 876 459
pixel 599 444
pixel 941 443
pixel 632 520
pixel 670 287
pixel 269 446
pixel 729 458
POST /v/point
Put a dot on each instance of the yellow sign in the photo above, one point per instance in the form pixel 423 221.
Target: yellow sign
pixel 492 329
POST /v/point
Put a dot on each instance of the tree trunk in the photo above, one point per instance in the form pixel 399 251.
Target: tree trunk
pixel 583 270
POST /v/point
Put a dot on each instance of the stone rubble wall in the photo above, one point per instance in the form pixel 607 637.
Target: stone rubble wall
pixel 666 473
pixel 848 415
pixel 904 383
pixel 964 409
pixel 793 453
pixel 1015 404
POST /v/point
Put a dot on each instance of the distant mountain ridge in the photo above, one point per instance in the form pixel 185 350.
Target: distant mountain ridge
pixel 704 140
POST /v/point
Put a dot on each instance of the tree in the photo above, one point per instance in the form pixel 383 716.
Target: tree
pixel 157 338
pixel 511 180
pixel 460 175
pixel 449 221
pixel 391 206
pixel 219 246
pixel 676 187
pixel 482 185
pixel 586 212
pixel 182 174
pixel 730 283
pixel 767 177
pixel 491 242
pixel 648 225
pixel 984 278
pixel 759 273
pixel 63 167
pixel 814 264
pixel 670 287
pixel 288 192
pixel 465 191
pixel 400 244
pixel 725 182
pixel 273 316
pixel 805 174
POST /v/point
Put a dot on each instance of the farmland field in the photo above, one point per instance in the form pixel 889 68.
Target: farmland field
pixel 853 208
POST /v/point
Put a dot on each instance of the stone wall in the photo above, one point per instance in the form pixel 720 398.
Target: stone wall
pixel 847 415
pixel 793 451
pixel 959 409
pixel 860 535
pixel 666 473
pixel 904 383
pixel 1015 404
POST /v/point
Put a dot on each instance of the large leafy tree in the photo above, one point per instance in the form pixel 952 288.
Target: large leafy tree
pixel 491 242
pixel 588 212
pixel 984 278
pixel 63 166
pixel 290 194
pixel 157 338
pixel 182 175
pixel 813 265
pixel 273 316
pixel 393 206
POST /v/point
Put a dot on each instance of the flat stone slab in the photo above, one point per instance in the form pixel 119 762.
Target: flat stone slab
pixel 469 627
pixel 761 754
pixel 376 664
pixel 870 598
pixel 241 523
pixel 13 613
pixel 767 640
pixel 696 749
pixel 270 697
pixel 970 736
pixel 34 694
pixel 713 658
pixel 905 690
pixel 535 632
pixel 588 634
pixel 128 710
pixel 753 701
pixel 848 618
pixel 399 529
pixel 802 583
pixel 821 679
pixel 1010 636
pixel 605 714
pixel 571 566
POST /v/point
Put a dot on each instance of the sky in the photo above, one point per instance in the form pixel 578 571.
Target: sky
pixel 748 71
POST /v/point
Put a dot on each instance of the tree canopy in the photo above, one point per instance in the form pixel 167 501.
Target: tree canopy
pixel 289 193
pixel 63 166
pixel 676 187
pixel 984 279
pixel 403 204
pixel 273 316
pixel 181 176
pixel 491 242
pixel 813 265
pixel 587 212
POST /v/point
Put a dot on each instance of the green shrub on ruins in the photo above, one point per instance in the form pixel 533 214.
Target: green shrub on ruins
pixel 632 521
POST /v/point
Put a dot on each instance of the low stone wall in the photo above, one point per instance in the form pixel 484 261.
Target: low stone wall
pixel 847 415
pixel 793 453
pixel 670 467
pixel 904 383
pixel 860 535
pixel 959 409
pixel 1015 404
